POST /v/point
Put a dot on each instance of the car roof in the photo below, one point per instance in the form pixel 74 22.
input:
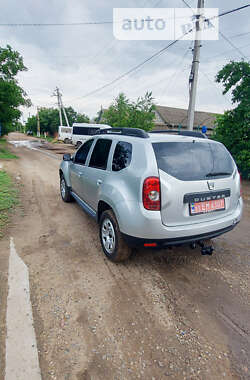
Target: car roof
pixel 152 138
pixel 86 125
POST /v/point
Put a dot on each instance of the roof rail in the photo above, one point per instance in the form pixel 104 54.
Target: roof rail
pixel 183 133
pixel 135 132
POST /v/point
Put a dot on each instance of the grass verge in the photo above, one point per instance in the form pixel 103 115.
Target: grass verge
pixel 50 139
pixel 5 154
pixel 8 199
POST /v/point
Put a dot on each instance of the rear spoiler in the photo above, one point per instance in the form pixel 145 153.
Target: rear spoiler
pixel 182 133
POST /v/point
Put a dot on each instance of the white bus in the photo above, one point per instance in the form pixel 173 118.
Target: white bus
pixel 65 134
pixel 83 131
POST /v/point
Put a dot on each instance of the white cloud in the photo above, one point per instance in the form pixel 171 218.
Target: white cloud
pixel 79 59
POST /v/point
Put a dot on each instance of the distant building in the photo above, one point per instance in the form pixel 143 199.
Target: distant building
pixel 172 118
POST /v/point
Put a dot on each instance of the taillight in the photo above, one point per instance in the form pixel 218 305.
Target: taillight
pixel 151 194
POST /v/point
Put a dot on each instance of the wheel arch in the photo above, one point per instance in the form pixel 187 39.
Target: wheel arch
pixel 102 206
pixel 64 171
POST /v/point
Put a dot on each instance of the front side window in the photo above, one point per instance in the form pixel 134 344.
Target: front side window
pixel 82 153
pixel 192 161
pixel 122 156
pixel 100 154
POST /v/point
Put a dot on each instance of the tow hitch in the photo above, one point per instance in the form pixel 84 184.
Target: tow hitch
pixel 206 249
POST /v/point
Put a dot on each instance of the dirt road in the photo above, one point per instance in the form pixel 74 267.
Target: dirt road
pixel 170 314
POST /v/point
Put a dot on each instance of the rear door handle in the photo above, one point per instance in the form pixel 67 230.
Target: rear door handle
pixel 99 182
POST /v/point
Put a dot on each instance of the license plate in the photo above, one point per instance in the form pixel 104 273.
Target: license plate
pixel 207 206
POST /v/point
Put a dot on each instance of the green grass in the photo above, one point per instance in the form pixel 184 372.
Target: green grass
pixel 48 138
pixel 5 154
pixel 8 199
pixel 51 139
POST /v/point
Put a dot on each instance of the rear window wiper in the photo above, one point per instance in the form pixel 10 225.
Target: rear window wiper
pixel 217 174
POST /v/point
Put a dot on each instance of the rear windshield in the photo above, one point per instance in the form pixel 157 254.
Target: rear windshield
pixel 192 161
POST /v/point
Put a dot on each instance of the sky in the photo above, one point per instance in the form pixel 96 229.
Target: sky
pixel 80 59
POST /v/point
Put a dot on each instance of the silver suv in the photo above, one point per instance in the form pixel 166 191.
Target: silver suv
pixel 153 189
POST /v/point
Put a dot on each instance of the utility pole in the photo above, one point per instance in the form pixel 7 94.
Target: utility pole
pixel 64 112
pixel 193 78
pixel 59 104
pixel 38 122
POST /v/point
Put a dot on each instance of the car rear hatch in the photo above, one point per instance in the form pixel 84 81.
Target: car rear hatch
pixel 199 181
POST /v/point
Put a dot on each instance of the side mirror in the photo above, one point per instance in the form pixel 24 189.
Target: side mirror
pixel 67 157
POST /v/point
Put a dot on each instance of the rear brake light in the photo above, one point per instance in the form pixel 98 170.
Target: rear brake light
pixel 150 244
pixel 151 194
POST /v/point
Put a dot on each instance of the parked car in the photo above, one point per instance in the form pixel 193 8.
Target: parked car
pixel 65 134
pixel 29 133
pixel 83 131
pixel 153 190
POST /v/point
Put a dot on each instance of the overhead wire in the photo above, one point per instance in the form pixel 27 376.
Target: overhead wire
pixel 179 70
pixel 222 34
pixel 225 52
pixel 157 54
pixel 111 22
pixel 214 85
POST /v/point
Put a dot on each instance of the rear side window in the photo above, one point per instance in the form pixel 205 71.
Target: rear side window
pixel 82 153
pixel 93 131
pixel 66 130
pixel 193 161
pixel 83 131
pixel 100 154
pixel 80 131
pixel 122 156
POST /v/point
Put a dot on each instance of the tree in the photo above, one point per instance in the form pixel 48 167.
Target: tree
pixel 12 95
pixel 49 120
pixel 126 114
pixel 233 127
pixel 75 117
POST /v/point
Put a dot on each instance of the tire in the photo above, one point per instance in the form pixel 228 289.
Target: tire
pixel 78 144
pixel 119 251
pixel 66 141
pixel 65 190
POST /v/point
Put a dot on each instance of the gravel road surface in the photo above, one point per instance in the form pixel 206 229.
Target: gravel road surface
pixel 169 314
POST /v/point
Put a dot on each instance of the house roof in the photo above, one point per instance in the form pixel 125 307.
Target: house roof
pixel 178 116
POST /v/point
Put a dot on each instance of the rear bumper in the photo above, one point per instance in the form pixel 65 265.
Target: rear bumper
pixel 160 243
pixel 147 225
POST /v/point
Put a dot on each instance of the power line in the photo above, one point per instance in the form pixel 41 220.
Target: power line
pixel 223 13
pixel 225 52
pixel 63 24
pixel 233 45
pixel 187 5
pixel 222 34
pixel 214 85
pixel 157 54
pixel 179 70
pixel 233 10
pixel 110 22
pixel 158 2
pixel 239 35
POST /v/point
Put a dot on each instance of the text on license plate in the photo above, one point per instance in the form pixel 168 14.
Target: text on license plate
pixel 207 206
